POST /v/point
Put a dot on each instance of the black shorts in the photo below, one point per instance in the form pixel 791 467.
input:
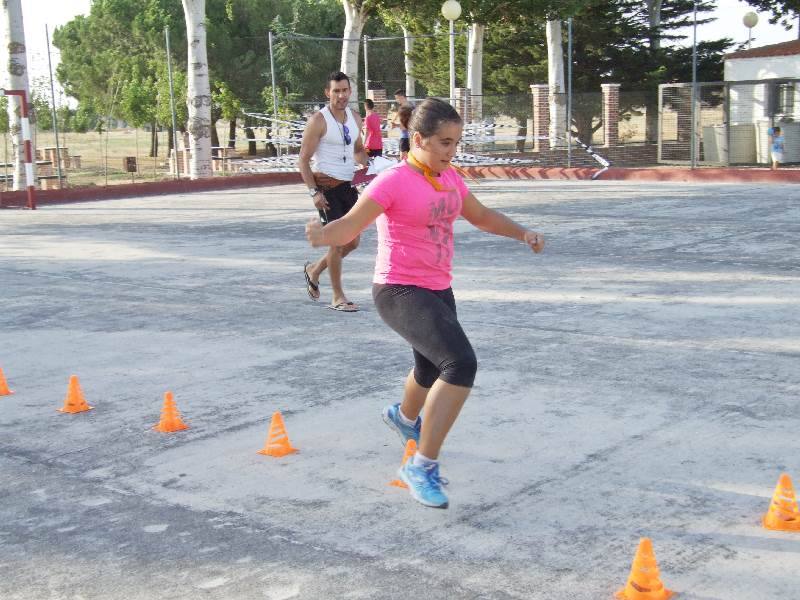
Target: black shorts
pixel 427 320
pixel 405 145
pixel 374 152
pixel 340 200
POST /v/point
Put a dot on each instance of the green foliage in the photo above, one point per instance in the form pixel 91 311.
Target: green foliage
pixel 3 114
pixel 785 12
pixel 163 111
pixel 110 58
pixel 285 101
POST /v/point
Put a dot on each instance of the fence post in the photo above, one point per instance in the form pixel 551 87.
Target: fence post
pixel 610 113
pixel 541 114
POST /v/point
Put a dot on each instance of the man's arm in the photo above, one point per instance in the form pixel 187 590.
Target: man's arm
pixel 315 129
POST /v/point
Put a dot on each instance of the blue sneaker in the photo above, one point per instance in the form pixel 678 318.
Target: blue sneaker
pixel 424 484
pixel 391 416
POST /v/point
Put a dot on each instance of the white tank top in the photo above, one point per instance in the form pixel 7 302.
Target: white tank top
pixel 333 157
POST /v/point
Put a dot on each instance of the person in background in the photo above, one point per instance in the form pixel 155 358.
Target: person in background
pixel 373 137
pixel 776 147
pixel 402 100
pixel 332 142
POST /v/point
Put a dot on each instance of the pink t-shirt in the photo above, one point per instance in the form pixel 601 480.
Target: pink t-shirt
pixel 374 139
pixel 415 231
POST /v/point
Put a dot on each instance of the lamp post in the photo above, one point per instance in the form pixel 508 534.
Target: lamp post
pixel 451 10
pixel 750 20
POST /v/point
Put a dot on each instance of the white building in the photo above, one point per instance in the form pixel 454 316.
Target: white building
pixel 775 61
pixel 764 92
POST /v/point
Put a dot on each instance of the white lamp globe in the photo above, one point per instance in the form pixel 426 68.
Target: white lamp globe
pixel 451 10
pixel 750 20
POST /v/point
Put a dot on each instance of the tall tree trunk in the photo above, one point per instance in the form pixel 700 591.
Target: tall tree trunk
pixel 198 96
pixel 252 150
pixel 17 80
pixel 232 133
pixel 475 70
pixel 522 133
pixel 555 79
pixel 153 140
pixel 355 15
pixel 408 63
pixel 214 137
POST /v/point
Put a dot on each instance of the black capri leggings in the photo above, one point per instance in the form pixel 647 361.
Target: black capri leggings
pixel 427 320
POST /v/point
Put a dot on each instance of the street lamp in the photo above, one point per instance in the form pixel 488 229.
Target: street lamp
pixel 750 20
pixel 451 10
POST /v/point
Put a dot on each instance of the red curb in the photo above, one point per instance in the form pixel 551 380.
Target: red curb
pixel 676 174
pixel 156 188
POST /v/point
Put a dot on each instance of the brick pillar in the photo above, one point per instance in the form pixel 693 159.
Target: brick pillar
pixel 611 113
pixel 476 108
pixel 462 103
pixel 541 115
pixel 379 98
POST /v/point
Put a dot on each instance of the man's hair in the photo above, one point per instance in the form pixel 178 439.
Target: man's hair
pixel 336 76
pixel 369 104
pixel 400 92
pixel 429 116
pixel 776 130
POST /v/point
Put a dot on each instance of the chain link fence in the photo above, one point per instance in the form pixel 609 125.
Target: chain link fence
pixel 731 122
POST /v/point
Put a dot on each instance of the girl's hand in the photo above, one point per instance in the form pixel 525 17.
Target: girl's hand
pixel 534 240
pixel 314 232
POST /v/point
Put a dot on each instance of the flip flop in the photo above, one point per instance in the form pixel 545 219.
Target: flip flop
pixel 310 285
pixel 344 307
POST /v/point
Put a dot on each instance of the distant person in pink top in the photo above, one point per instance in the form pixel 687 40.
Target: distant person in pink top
pixel 415 205
pixel 373 137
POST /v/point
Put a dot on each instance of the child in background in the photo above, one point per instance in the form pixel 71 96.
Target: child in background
pixel 776 147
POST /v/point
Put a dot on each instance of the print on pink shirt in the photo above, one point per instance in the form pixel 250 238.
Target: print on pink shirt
pixel 442 211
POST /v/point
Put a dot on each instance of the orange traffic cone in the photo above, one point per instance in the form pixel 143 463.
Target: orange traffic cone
pixel 4 391
pixel 644 582
pixel 277 440
pixel 74 402
pixel 411 448
pixel 170 417
pixel 783 514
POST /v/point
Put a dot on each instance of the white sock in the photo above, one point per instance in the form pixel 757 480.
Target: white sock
pixel 405 419
pixel 421 460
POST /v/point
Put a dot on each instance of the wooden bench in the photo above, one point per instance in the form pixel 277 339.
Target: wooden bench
pixel 50 182
pixel 46 182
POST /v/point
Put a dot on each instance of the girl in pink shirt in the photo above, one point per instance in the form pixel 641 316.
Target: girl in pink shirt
pixel 415 205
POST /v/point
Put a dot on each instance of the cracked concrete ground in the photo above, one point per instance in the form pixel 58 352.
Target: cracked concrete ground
pixel 638 378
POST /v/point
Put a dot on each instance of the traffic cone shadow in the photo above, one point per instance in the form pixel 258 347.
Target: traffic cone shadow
pixel 411 449
pixel 74 402
pixel 783 514
pixel 4 391
pixel 644 582
pixel 277 443
pixel 170 417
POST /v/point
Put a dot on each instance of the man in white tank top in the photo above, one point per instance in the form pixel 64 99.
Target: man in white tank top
pixel 331 141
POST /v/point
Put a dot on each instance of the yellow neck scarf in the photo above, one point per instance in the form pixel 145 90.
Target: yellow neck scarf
pixel 426 171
